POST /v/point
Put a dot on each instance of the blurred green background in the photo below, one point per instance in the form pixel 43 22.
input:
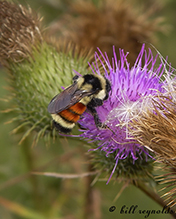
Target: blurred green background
pixel 31 196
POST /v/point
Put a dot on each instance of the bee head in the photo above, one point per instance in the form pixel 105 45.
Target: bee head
pixel 75 78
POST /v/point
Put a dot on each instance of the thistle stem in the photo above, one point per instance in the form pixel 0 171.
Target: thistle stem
pixel 153 195
pixel 26 150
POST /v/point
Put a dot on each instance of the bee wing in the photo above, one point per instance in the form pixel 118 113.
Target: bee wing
pixel 67 98
pixel 62 100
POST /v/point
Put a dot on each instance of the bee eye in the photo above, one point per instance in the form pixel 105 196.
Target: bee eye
pixel 74 79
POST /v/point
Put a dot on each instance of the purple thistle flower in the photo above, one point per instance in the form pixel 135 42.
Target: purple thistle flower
pixel 132 89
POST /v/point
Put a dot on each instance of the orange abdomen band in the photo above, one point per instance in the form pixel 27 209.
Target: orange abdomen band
pixel 69 116
pixel 73 113
pixel 78 108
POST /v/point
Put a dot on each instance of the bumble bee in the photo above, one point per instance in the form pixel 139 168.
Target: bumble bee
pixel 86 92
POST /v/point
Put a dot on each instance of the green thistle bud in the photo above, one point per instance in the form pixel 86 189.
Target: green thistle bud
pixel 38 69
pixel 142 168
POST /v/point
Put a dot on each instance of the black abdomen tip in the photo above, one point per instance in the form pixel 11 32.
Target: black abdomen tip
pixel 61 128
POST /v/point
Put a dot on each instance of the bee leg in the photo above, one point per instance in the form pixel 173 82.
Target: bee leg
pixel 95 102
pixel 98 123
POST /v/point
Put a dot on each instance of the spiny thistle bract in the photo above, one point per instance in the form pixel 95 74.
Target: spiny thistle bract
pixel 106 23
pixel 37 69
pixel 156 130
pixel 20 31
pixel 168 183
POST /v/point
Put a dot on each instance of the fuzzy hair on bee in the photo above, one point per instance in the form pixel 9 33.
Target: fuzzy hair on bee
pixel 86 92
